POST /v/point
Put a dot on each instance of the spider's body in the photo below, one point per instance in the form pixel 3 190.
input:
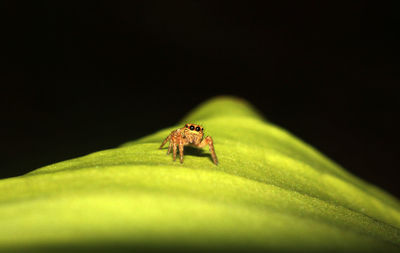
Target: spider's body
pixel 190 134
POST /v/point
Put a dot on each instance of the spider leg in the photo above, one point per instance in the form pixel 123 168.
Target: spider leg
pixel 165 141
pixel 169 148
pixel 181 151
pixel 209 141
pixel 174 150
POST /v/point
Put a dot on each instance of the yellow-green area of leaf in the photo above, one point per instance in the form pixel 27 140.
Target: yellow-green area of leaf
pixel 270 191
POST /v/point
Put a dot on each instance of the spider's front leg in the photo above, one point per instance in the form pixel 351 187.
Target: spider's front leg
pixel 209 141
pixel 177 141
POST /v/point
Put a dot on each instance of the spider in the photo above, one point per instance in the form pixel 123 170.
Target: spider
pixel 190 134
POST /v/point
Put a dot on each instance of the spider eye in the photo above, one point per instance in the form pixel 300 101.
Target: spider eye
pixel 191 127
pixel 186 126
pixel 202 129
pixel 197 129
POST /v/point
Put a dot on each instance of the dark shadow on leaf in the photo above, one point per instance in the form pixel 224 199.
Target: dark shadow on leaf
pixel 196 152
pixel 192 151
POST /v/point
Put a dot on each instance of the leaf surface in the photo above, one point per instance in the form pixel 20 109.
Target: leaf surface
pixel 270 191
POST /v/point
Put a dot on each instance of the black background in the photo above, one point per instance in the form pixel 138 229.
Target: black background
pixel 85 76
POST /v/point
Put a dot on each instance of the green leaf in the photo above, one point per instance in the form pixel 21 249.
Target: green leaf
pixel 270 191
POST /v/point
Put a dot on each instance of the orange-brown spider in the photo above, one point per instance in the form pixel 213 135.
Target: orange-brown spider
pixel 190 134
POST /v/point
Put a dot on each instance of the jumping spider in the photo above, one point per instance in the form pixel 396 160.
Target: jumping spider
pixel 190 134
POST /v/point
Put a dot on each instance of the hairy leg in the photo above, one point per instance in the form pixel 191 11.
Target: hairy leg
pixel 209 141
pixel 169 147
pixel 165 141
pixel 174 150
pixel 181 151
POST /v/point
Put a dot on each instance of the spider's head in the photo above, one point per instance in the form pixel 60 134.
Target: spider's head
pixel 194 130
